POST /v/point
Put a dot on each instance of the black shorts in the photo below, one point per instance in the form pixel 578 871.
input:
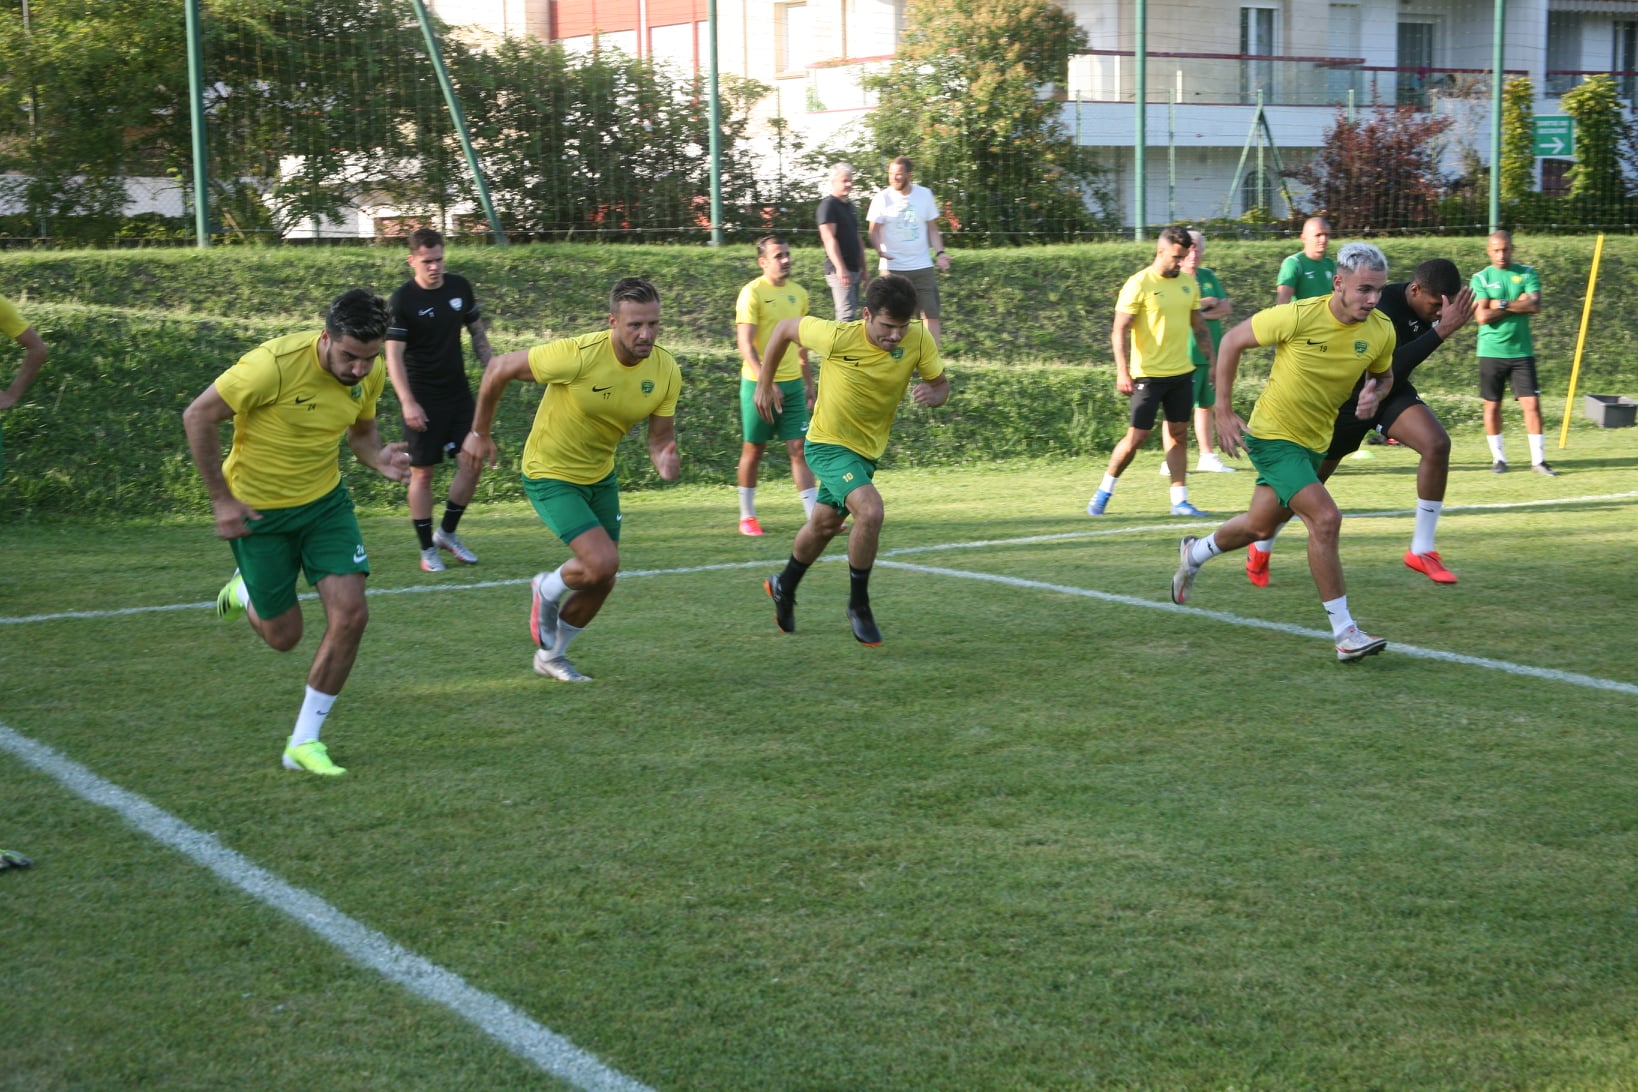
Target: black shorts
pixel 1172 393
pixel 448 422
pixel 1350 431
pixel 1497 371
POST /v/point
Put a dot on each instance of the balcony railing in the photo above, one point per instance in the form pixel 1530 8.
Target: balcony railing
pixel 1215 79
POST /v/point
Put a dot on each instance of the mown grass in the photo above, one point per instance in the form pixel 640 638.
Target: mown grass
pixel 1039 839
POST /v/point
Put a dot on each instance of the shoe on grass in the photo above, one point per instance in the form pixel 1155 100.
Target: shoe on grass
pixel 1099 501
pixel 784 604
pixel 864 626
pixel 749 526
pixel 1499 466
pixel 449 540
pixel 542 614
pixel 312 757
pixel 1430 565
pixel 430 561
pixel 1257 566
pixel 10 858
pixel 557 667
pixel 1209 463
pixel 1543 468
pixel 1183 578
pixel 1184 508
pixel 1356 644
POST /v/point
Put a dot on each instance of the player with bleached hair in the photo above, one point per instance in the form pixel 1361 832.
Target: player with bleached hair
pixel 1322 347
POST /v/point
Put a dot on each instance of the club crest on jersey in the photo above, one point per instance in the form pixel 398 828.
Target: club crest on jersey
pixel 456 303
pixel 897 353
pixel 1360 347
pixel 356 392
pixel 648 387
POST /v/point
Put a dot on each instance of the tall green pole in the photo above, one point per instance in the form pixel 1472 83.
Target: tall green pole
pixel 1140 143
pixel 196 96
pixel 459 118
pixel 1498 51
pixel 716 129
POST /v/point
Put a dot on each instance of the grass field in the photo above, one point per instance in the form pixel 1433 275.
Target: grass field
pixel 1055 833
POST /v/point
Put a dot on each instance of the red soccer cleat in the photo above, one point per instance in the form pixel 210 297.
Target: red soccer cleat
pixel 1429 565
pixel 1257 566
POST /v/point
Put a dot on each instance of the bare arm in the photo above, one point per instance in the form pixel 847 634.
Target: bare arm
pixel 1283 293
pixel 34 355
pixel 1117 343
pixel 1202 338
pixel 932 392
pixel 202 422
pixel 479 332
pixel 414 417
pixel 1216 308
pixel 1376 389
pixel 391 461
pixel 787 333
pixel 876 240
pixel 935 243
pixel 1229 425
pixel 478 449
pixel 827 236
pixel 662 447
pixel 745 337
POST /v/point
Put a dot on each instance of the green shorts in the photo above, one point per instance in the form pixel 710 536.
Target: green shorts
pixel 1283 466
pixel 569 510
pixel 791 424
pixel 840 470
pixel 318 539
pixel 1205 392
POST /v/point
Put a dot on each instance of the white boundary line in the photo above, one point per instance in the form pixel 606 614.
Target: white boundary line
pixel 489 1014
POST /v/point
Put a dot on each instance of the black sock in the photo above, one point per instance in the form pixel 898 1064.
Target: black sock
pixel 452 517
pixel 792 575
pixel 423 531
pixel 858 588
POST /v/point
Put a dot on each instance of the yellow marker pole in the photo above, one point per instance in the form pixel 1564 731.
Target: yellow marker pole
pixel 1580 340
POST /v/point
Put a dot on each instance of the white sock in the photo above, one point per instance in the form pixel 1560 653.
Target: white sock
pixel 565 634
pixel 1495 443
pixel 1108 485
pixel 310 721
pixel 747 502
pixel 1180 493
pixel 1204 549
pixel 1538 447
pixel 810 497
pixel 1427 522
pixel 1337 610
pixel 553 588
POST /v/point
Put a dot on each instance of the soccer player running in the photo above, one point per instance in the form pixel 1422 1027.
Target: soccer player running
pixel 762 304
pixel 1424 311
pixel 429 375
pixel 598 386
pixel 279 499
pixel 1158 309
pixel 864 368
pixel 1322 346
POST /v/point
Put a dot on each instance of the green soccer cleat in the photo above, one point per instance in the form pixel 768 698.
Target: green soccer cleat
pixel 10 858
pixel 232 600
pixel 312 757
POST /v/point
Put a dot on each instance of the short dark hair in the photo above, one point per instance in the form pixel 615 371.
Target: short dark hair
pixel 904 161
pixel 357 313
pixel 425 238
pixel 1176 235
pixel 767 241
pixel 1438 277
pixel 632 290
pixel 892 295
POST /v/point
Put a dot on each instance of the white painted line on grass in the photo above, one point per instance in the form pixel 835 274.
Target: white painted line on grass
pixel 1570 677
pixel 500 1021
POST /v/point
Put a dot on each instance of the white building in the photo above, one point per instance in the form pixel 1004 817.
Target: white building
pixel 1206 64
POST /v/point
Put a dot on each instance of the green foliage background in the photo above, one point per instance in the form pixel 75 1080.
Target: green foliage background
pixel 136 335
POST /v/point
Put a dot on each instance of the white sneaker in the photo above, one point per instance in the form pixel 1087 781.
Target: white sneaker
pixel 1210 463
pixel 430 561
pixel 557 667
pixel 1356 644
pixel 1183 578
pixel 452 542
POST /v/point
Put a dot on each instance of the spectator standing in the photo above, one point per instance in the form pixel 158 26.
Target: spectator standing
pixel 1505 295
pixel 844 249
pixel 904 231
pixel 1308 272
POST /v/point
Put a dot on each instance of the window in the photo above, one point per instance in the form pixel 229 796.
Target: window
pixel 1563 51
pixel 1258 37
pixel 1256 192
pixel 795 33
pixel 1415 62
pixel 1343 41
pixel 1625 62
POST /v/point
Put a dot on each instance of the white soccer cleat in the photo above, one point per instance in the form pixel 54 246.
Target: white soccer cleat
pixel 1356 644
pixel 452 542
pixel 1211 464
pixel 557 667
pixel 1183 578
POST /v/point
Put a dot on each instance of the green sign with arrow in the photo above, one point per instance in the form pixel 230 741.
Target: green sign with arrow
pixel 1553 136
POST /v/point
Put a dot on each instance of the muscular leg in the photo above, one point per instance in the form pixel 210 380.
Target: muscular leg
pixel 345 616
pixel 1126 450
pixel 462 486
pixel 1176 443
pixel 420 491
pixel 1314 506
pixel 749 456
pixel 1418 429
pixel 934 327
pixel 1531 405
pixel 1492 419
pixel 824 525
pixel 589 576
pixel 800 474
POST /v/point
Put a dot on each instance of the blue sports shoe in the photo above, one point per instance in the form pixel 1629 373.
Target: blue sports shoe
pixel 1100 501
pixel 1184 508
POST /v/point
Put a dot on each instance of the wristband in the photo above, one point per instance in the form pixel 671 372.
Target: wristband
pixel 480 435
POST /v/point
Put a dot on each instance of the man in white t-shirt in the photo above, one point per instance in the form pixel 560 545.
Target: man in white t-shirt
pixel 904 232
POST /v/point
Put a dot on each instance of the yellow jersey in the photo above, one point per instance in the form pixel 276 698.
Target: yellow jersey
pixel 763 305
pixel 861 385
pixel 1317 361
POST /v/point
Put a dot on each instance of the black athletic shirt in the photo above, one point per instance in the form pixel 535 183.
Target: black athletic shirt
pixel 429 322
pixel 840 211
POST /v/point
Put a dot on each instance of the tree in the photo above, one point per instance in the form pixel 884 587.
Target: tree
pixel 969 98
pixel 1600 131
pixel 1518 155
pixel 1379 173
